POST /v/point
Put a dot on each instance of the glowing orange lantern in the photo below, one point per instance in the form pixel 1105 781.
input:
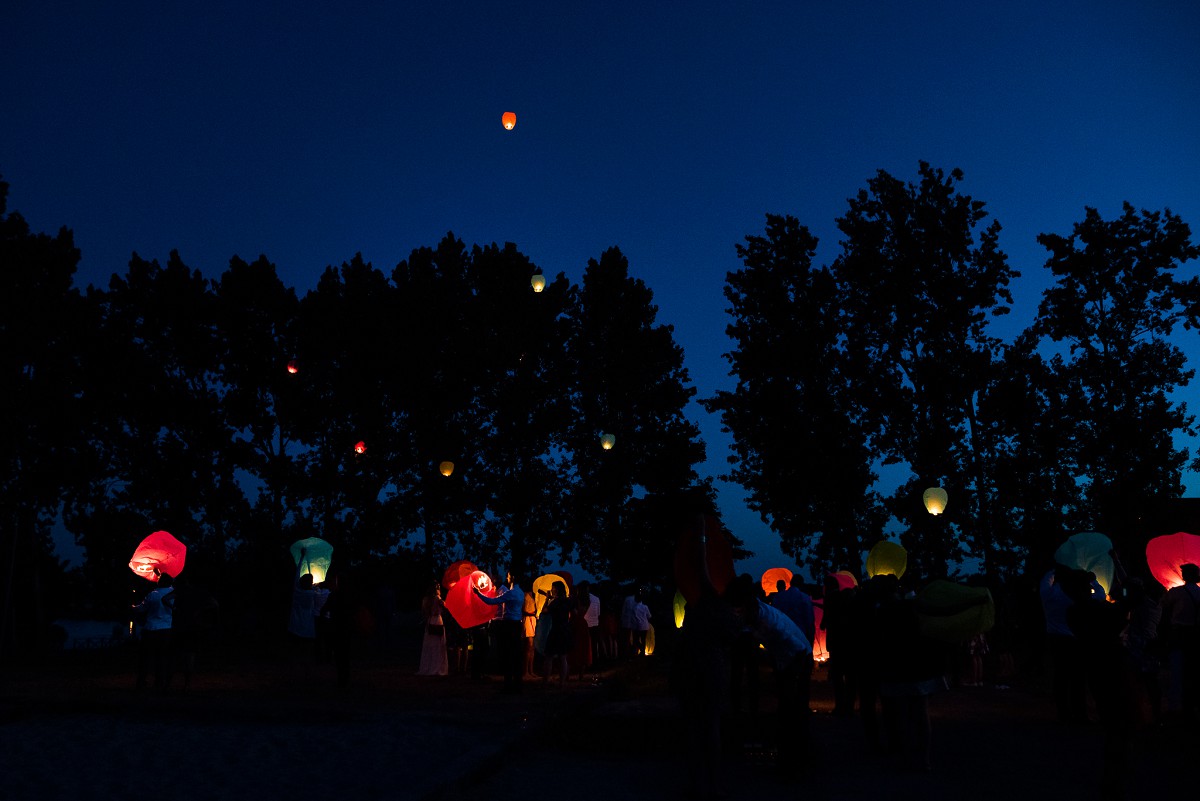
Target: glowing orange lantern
pixel 774 575
pixel 293 367
pixel 607 441
pixel 538 282
pixel 508 120
pixel 1167 554
pixel 446 468
pixel 459 570
pixel 467 610
pixel 935 499
pixel 360 447
pixel 158 553
pixel 887 557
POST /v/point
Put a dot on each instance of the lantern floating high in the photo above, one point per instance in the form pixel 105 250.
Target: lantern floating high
pixel 607 441
pixel 887 557
pixel 293 367
pixel 1167 554
pixel 360 447
pixel 935 499
pixel 509 120
pixel 157 554
pixel 538 282
pixel 313 556
pixel 446 468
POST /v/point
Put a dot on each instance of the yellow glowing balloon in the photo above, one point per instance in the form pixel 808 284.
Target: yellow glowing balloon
pixel 538 282
pixel 679 606
pixel 607 441
pixel 446 468
pixel 935 499
pixel 887 557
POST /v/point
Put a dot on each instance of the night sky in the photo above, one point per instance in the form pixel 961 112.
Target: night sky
pixel 667 129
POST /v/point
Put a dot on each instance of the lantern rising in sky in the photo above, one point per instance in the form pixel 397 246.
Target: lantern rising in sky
pixel 293 367
pixel 360 447
pixel 509 120
pixel 607 441
pixel 157 554
pixel 446 468
pixel 538 282
pixel 935 499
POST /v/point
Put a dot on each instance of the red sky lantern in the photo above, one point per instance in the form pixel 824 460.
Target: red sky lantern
pixel 771 579
pixel 845 579
pixel 717 554
pixel 360 447
pixel 1165 556
pixel 293 367
pixel 509 120
pixel 159 552
pixel 467 610
pixel 457 571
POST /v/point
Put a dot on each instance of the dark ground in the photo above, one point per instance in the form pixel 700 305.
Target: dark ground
pixel 261 726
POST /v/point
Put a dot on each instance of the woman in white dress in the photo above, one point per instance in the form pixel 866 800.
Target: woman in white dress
pixel 433 645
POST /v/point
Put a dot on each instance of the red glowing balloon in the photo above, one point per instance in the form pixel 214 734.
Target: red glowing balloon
pixel 820 651
pixel 293 367
pixel 845 579
pixel 158 553
pixel 771 579
pixel 467 610
pixel 1165 556
pixel 360 447
pixel 508 120
pixel 459 570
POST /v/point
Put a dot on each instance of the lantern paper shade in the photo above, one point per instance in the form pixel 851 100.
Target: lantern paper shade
pixel 1167 554
pixel 935 499
pixel 159 552
pixel 820 650
pixel 1088 551
pixel 607 441
pixel 293 367
pixel 887 557
pixel 546 582
pixel 772 577
pixel 466 609
pixel 649 648
pixel 509 120
pixel 954 613
pixel 318 555
pixel 446 468
pixel 679 607
pixel 360 447
pixel 845 579
pixel 457 571
pixel 538 282
pixel 718 555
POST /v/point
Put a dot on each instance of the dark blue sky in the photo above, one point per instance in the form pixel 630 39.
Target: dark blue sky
pixel 667 129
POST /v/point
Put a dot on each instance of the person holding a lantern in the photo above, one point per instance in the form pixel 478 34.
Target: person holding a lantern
pixel 509 630
pixel 156 612
pixel 561 637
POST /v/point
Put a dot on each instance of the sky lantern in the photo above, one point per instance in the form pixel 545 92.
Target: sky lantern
pixel 538 282
pixel 1167 554
pixel 772 577
pixel 468 611
pixel 607 441
pixel 887 557
pixel 718 556
pixel 1090 551
pixel 360 447
pixel 446 469
pixel 293 367
pixel 820 650
pixel 546 582
pixel 457 571
pixel 509 120
pixel 935 499
pixel 648 648
pixel 954 613
pixel 318 555
pixel 679 607
pixel 158 553
pixel 844 579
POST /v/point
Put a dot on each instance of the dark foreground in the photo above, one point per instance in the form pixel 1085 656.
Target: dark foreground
pixel 264 728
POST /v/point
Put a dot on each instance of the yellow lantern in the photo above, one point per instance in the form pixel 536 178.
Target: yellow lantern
pixel 508 120
pixel 607 441
pixel 887 557
pixel 935 500
pixel 538 282
pixel 679 607
pixel 446 468
pixel 649 649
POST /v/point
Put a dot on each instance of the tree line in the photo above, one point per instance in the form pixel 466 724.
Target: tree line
pixel 165 399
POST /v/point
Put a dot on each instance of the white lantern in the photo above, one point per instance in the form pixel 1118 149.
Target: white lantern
pixel 607 441
pixel 538 282
pixel 935 500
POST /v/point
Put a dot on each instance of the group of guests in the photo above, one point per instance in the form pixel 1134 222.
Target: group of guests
pixel 569 630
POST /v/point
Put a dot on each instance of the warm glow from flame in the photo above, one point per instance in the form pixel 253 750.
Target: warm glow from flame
pixel 538 282
pixel 935 499
pixel 508 120
pixel 292 367
pixel 446 468
pixel 607 441
pixel 360 447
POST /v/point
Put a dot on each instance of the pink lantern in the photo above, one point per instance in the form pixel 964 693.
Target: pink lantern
pixel 771 579
pixel 820 651
pixel 468 611
pixel 845 579
pixel 158 553
pixel 1166 554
